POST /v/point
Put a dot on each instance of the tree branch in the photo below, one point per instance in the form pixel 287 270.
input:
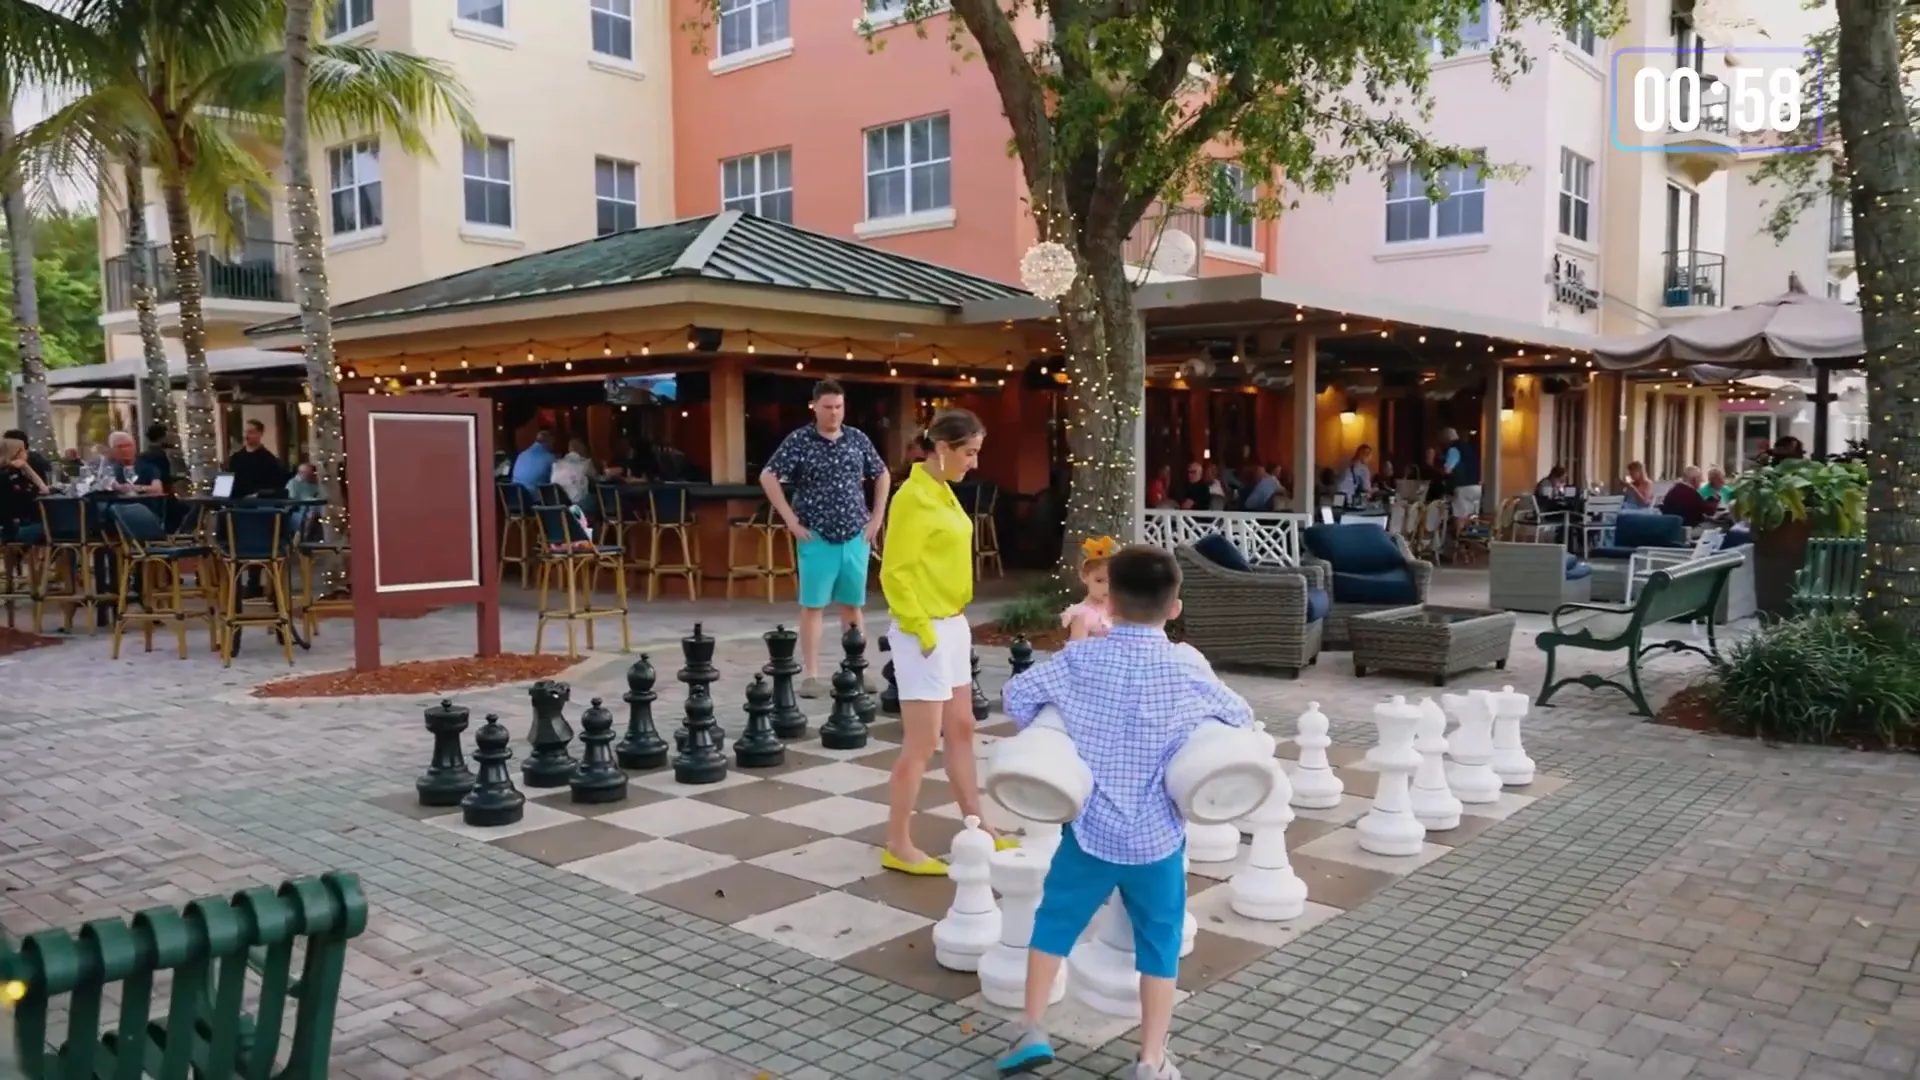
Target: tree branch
pixel 1208 124
pixel 1021 95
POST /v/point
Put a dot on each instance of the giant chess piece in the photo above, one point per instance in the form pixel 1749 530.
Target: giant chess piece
pixel 1020 654
pixel 1510 761
pixel 1041 839
pixel 972 924
pixel 447 779
pixel 1433 803
pixel 1315 787
pixel 700 760
pixel 1102 975
pixel 494 802
pixel 981 706
pixel 890 696
pixel 1018 875
pixel 843 729
pixel 788 721
pixel 853 643
pixel 1267 889
pixel 643 748
pixel 1470 774
pixel 758 747
pixel 1212 843
pixel 598 779
pixel 550 764
pixel 1390 827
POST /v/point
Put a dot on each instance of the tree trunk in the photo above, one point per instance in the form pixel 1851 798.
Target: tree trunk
pixel 156 389
pixel 36 415
pixel 1885 164
pixel 203 456
pixel 1106 361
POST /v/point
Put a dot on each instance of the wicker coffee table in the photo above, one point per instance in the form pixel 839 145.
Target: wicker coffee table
pixel 1430 640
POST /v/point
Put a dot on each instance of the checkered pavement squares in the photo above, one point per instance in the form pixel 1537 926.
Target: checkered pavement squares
pixel 791 855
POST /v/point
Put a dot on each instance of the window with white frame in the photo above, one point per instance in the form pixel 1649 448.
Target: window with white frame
pixel 909 168
pixel 345 15
pixel 487 168
pixel 750 24
pixel 1413 216
pixel 1576 195
pixel 353 186
pixel 1476 31
pixel 759 184
pixel 1582 38
pixel 1833 289
pixel 1234 226
pixel 487 12
pixel 613 28
pixel 616 196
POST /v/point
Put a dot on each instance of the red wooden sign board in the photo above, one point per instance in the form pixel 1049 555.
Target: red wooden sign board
pixel 420 504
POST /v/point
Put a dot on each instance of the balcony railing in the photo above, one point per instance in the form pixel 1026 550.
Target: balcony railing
pixel 1153 246
pixel 258 270
pixel 1694 279
pixel 1840 228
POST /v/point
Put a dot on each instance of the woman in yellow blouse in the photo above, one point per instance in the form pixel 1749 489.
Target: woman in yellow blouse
pixel 926 572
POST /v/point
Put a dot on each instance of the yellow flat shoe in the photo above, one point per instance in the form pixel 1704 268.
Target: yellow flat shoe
pixel 927 867
pixel 1005 843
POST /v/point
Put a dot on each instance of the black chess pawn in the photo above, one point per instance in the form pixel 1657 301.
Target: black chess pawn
pixel 1020 655
pixel 699 675
pixel 788 721
pixel 447 779
pixel 597 779
pixel 890 694
pixel 981 706
pixel 758 747
pixel 643 748
pixel 550 764
pixel 494 801
pixel 700 760
pixel 843 729
pixel 854 644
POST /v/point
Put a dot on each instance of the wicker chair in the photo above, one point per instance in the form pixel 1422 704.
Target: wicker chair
pixel 1249 619
pixel 1335 633
pixel 1535 577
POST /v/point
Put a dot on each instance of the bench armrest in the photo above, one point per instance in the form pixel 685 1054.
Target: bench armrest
pixel 1588 608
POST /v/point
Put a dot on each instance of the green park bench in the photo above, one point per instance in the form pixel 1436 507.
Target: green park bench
pixel 208 950
pixel 1834 577
pixel 1687 592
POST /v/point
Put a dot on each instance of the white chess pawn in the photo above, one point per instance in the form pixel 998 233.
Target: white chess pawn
pixel 1315 787
pixel 1433 803
pixel 1470 748
pixel 972 924
pixel 1043 840
pixel 1266 888
pixel 1510 761
pixel 1212 843
pixel 1189 926
pixel 1390 827
pixel 1017 876
pixel 1103 976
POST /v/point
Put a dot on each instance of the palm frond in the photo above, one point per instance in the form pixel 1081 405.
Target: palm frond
pixel 46 45
pixel 219 165
pixel 73 146
pixel 357 89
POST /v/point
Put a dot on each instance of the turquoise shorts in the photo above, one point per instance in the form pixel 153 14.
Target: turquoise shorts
pixel 833 573
pixel 1154 894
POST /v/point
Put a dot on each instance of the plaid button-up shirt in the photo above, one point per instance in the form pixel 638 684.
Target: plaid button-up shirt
pixel 1129 701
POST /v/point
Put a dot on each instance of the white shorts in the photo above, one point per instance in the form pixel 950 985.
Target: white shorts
pixel 933 676
pixel 1466 501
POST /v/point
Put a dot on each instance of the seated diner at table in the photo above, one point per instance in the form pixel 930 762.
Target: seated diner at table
pixel 21 486
pixel 1639 489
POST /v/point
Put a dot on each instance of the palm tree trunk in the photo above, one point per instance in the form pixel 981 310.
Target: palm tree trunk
pixel 203 456
pixel 1884 159
pixel 36 414
pixel 156 389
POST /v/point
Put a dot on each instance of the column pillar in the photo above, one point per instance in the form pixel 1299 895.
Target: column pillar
pixel 1490 409
pixel 727 419
pixel 1306 384
pixel 906 425
pixel 1621 412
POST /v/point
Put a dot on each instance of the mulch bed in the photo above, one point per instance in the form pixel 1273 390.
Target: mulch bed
pixel 13 641
pixel 1048 640
pixel 420 677
pixel 1690 708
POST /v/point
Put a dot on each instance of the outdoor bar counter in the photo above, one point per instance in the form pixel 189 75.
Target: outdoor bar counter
pixel 712 506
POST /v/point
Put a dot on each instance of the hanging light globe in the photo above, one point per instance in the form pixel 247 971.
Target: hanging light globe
pixel 1048 270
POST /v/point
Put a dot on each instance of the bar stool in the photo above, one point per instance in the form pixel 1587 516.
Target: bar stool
pixel 516 515
pixel 671 518
pixel 979 501
pixel 763 532
pixel 19 571
pixel 249 538
pixel 337 600
pixel 71 544
pixel 551 495
pixel 570 558
pixel 147 555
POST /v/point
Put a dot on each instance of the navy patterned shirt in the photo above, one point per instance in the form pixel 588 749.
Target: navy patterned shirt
pixel 829 480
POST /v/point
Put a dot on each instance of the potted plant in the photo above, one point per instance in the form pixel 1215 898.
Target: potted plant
pixel 1786 503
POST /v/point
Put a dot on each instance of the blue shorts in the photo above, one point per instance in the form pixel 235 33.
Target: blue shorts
pixel 1155 895
pixel 833 573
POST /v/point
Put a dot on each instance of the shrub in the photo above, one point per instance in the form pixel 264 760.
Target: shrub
pixel 1034 612
pixel 1823 679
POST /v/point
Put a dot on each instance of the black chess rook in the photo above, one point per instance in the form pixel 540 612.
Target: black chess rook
pixel 494 802
pixel 758 747
pixel 447 779
pixel 597 779
pixel 890 693
pixel 981 706
pixel 550 764
pixel 700 759
pixel 643 748
pixel 788 721
pixel 843 729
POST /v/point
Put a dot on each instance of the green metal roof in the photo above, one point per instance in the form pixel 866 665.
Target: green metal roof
pixel 726 247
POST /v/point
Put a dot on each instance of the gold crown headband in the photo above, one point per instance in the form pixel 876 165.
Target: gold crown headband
pixel 1098 547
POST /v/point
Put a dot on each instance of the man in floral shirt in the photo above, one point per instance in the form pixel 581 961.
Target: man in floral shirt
pixel 828 466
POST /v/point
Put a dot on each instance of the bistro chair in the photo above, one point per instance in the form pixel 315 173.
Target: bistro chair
pixel 518 531
pixel 765 538
pixel 19 571
pixel 570 559
pixel 71 544
pixel 246 539
pixel 551 495
pixel 152 569
pixel 670 514
pixel 980 501
pixel 315 603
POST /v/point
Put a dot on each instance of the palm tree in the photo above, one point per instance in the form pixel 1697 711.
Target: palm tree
pixel 36 413
pixel 195 84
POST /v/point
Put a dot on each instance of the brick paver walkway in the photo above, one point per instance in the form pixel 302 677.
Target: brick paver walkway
pixel 1685 906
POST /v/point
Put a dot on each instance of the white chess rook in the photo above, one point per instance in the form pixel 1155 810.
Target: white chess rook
pixel 1266 888
pixel 1469 748
pixel 1102 968
pixel 1315 787
pixel 1390 827
pixel 1510 761
pixel 972 924
pixel 1018 876
pixel 1212 843
pixel 1433 803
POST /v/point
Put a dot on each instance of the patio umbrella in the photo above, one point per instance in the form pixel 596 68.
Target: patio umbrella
pixel 1782 332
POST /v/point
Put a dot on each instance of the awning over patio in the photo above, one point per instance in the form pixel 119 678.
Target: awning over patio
pixel 121 374
pixel 1784 332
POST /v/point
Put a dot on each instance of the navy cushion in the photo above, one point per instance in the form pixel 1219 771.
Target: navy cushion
pixel 1576 570
pixel 1358 549
pixel 1648 529
pixel 137 521
pixel 1318 604
pixel 1377 587
pixel 1220 551
pixel 1738 536
pixel 1617 554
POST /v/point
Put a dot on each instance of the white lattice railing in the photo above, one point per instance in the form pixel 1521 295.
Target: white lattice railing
pixel 1263 539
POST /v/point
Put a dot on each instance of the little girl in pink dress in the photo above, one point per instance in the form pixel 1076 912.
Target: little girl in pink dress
pixel 1091 617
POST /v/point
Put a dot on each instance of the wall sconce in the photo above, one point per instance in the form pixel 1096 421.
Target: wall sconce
pixel 1206 454
pixel 306 408
pixel 1349 412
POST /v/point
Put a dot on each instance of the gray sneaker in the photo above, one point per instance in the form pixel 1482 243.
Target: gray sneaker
pixel 1144 1071
pixel 813 687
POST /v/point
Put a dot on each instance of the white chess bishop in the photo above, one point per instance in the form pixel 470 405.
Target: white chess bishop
pixel 1018 875
pixel 1266 888
pixel 1101 969
pixel 1315 787
pixel 1470 775
pixel 973 924
pixel 1510 761
pixel 1390 827
pixel 1433 803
